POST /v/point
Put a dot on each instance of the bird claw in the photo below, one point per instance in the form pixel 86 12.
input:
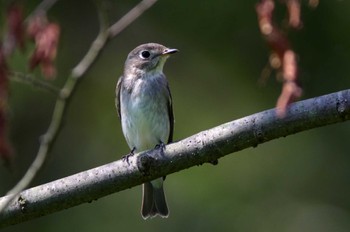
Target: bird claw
pixel 126 157
pixel 161 145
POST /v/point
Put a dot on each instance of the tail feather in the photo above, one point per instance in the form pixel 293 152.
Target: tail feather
pixel 153 201
pixel 147 201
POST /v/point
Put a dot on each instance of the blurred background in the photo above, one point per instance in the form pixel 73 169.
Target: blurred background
pixel 297 183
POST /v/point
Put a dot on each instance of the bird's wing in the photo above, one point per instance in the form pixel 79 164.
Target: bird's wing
pixel 117 98
pixel 171 116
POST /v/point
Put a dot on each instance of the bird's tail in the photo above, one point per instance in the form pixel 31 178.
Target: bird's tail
pixel 153 200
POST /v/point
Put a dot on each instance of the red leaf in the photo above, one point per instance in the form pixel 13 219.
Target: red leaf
pixel 5 149
pixel 291 90
pixel 294 13
pixel 283 57
pixel 15 33
pixel 46 36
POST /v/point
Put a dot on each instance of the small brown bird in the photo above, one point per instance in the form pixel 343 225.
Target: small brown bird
pixel 144 105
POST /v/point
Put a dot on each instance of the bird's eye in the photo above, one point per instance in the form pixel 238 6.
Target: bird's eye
pixel 145 54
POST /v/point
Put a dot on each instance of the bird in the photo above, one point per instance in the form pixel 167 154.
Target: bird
pixel 145 108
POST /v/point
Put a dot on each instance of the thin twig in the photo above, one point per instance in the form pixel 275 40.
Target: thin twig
pixel 130 17
pixel 111 32
pixel 67 91
pixel 96 46
pixel 33 81
pixel 43 7
pixel 203 147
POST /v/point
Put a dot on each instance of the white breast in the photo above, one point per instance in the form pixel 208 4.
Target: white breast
pixel 144 113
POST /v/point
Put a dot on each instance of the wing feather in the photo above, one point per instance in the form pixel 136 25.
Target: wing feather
pixel 117 99
pixel 171 116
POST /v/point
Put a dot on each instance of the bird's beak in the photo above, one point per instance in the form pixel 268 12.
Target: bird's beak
pixel 169 51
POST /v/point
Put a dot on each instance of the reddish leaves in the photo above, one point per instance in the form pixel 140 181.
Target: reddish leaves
pixel 291 91
pixel 46 37
pixel 283 58
pixel 5 149
pixel 294 13
pixel 6 153
pixel 15 32
pixel 12 38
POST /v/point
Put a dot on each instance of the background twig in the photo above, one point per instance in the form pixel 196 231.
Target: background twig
pixel 96 46
pixel 43 7
pixel 33 81
pixel 130 17
pixel 206 146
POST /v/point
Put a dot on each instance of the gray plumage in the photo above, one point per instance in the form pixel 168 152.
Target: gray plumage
pixel 144 106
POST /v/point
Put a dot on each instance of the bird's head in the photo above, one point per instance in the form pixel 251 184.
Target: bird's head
pixel 147 58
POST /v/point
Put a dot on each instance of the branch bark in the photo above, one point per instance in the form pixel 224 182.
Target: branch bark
pixel 206 146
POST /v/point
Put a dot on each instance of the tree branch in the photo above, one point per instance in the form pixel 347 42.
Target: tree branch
pixel 206 146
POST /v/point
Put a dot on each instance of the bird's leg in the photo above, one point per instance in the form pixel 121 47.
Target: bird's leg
pixel 160 145
pixel 126 157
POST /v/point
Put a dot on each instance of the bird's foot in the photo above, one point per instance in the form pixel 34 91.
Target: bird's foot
pixel 126 157
pixel 161 145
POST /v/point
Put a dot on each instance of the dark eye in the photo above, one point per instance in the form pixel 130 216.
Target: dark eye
pixel 145 54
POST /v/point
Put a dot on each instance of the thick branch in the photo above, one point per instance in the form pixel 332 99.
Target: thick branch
pixel 206 146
